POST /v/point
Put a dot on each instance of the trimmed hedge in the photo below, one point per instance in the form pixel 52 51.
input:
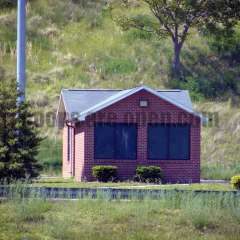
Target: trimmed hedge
pixel 105 173
pixel 235 181
pixel 151 174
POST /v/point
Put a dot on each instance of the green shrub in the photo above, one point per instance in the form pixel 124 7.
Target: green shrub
pixel 151 174
pixel 105 173
pixel 235 181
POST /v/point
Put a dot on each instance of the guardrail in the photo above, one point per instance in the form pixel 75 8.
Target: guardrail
pixel 93 193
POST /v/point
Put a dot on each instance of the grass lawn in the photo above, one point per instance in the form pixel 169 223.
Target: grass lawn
pixel 181 217
pixel 60 182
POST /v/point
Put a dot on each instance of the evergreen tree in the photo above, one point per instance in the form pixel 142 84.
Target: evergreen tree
pixel 19 138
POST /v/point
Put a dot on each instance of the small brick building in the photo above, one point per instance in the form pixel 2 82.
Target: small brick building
pixel 127 128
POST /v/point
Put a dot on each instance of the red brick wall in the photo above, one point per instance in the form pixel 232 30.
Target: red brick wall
pixel 66 165
pixel 174 170
pixel 79 153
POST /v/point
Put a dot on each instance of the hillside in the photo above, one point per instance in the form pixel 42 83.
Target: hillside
pixel 76 44
pixel 220 140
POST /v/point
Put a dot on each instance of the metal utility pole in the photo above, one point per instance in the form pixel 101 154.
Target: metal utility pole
pixel 21 46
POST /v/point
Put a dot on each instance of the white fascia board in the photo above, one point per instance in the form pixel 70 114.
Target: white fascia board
pixel 168 99
pixel 107 102
pixel 68 114
pixel 61 103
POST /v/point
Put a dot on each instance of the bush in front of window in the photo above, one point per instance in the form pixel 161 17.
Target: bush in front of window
pixel 235 181
pixel 105 173
pixel 150 174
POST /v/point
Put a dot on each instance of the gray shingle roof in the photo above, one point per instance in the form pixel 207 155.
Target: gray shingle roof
pixel 81 100
pixel 86 101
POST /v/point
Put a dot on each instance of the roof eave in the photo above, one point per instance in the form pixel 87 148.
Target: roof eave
pixel 59 122
pixel 82 116
pixel 100 106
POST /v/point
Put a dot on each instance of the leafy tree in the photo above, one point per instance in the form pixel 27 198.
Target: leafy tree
pixel 226 44
pixel 175 18
pixel 19 138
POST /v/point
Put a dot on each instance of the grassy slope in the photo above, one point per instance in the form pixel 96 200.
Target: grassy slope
pixel 171 217
pixel 69 46
pixel 220 141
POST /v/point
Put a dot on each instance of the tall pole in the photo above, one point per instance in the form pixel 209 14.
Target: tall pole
pixel 21 45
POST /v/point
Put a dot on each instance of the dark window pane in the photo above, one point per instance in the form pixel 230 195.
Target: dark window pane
pixel 179 142
pixel 125 141
pixel 104 141
pixel 157 141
